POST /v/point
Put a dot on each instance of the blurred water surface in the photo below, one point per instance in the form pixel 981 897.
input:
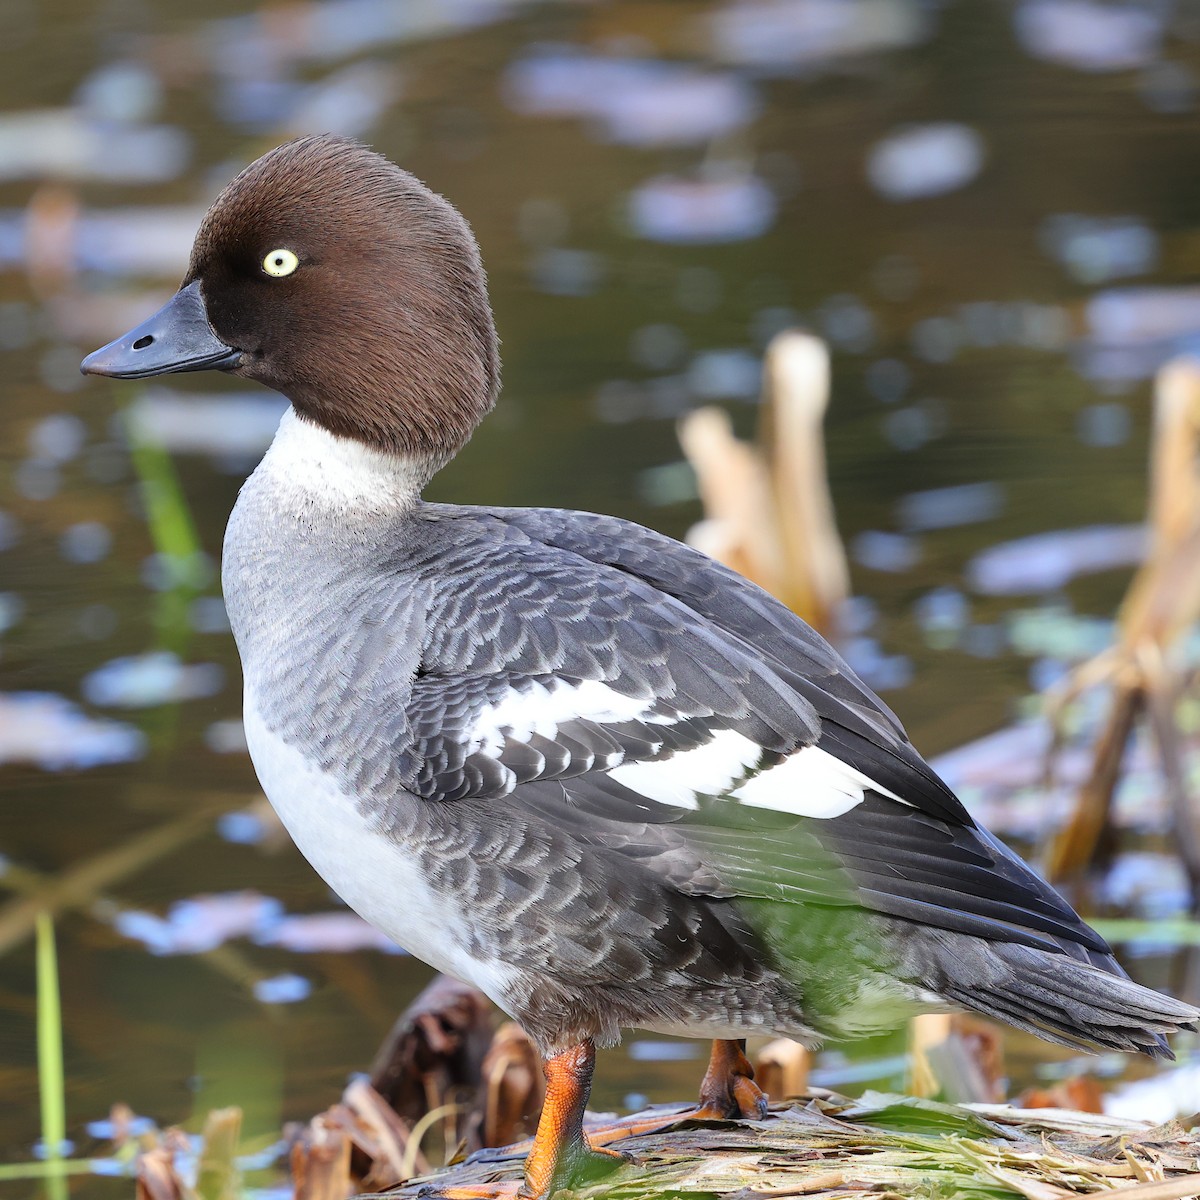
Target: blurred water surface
pixel 990 210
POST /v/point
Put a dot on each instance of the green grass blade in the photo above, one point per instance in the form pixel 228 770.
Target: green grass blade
pixel 1175 931
pixel 173 532
pixel 170 519
pixel 53 1170
pixel 51 1080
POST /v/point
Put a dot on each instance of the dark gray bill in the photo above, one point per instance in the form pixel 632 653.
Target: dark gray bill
pixel 177 338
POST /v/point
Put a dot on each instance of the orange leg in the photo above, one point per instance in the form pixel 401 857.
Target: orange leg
pixel 728 1091
pixel 561 1155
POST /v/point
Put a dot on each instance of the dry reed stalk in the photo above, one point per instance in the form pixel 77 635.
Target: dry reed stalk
pixel 1162 603
pixel 768 512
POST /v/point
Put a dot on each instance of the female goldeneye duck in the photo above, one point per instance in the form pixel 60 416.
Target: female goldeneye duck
pixel 554 754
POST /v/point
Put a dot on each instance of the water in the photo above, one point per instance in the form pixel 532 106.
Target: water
pixel 989 210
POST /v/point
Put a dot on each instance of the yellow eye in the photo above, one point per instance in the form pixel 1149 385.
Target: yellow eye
pixel 280 263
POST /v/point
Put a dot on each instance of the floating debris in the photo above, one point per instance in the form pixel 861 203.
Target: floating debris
pixel 672 208
pixel 1141 316
pixel 1160 1099
pixel 85 542
pixel 848 323
pixel 65 143
pixel 57 438
pixel 323 30
pixel 802 36
pixel 122 92
pixel 1047 562
pixel 1090 36
pixel 925 160
pixel 826 1144
pixel 725 375
pixel 633 101
pixel 225 426
pixel 350 101
pixel 647 1050
pixel 147 680
pixel 1099 249
pixel 201 923
pixel 881 550
pixel 51 732
pixel 882 671
pixel 282 989
pixel 244 828
pixel 226 737
pixel 558 271
pixel 330 932
pixel 1104 424
pixel 949 507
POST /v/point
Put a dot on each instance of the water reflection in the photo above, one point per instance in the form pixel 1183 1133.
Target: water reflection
pixel 985 210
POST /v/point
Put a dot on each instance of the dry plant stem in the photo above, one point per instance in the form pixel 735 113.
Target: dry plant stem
pixel 80 884
pixel 768 512
pixel 1075 846
pixel 781 1069
pixel 797 379
pixel 511 1091
pixel 436 1048
pixel 217 1174
pixel 739 527
pixel 1162 603
pixel 1161 705
pixel 384 1139
pixel 321 1163
pixel 889 1146
pixel 157 1177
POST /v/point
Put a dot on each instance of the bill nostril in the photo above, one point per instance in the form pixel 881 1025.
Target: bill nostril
pixel 143 342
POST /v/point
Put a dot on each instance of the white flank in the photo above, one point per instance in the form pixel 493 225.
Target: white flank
pixel 543 708
pixel 809 783
pixel 374 874
pixel 688 774
pixel 339 473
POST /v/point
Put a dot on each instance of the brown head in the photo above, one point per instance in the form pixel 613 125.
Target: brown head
pixel 331 275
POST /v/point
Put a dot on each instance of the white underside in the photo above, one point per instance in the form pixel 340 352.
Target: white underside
pixel 374 874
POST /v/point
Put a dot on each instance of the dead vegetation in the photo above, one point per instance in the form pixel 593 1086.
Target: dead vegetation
pixel 1140 669
pixel 446 1089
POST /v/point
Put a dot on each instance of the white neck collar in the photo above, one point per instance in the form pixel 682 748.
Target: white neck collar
pixel 339 473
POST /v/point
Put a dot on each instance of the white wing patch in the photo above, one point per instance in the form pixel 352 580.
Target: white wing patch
pixel 688 774
pixel 543 708
pixel 809 783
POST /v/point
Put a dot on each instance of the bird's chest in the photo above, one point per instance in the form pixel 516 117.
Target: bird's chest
pixel 385 878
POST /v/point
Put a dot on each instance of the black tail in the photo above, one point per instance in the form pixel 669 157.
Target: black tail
pixel 1055 996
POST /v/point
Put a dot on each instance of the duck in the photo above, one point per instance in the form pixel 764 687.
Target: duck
pixel 557 755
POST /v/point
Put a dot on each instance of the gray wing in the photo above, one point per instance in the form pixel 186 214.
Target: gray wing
pixel 628 687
